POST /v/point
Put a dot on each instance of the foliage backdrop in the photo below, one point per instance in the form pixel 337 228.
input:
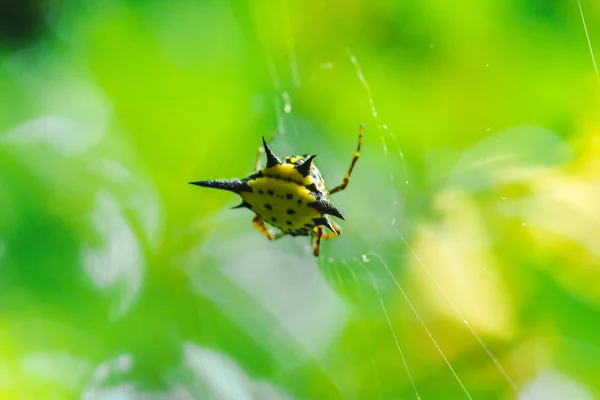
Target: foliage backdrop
pixel 475 199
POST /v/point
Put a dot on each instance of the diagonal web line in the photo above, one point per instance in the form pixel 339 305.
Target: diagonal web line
pixel 587 35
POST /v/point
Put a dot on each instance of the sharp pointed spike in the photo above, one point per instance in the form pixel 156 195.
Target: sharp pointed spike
pixel 330 226
pixel 326 222
pixel 272 159
pixel 304 168
pixel 232 185
pixel 325 207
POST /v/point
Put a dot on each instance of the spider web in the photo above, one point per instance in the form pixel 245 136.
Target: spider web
pixel 410 301
pixel 384 259
pixel 366 269
pixel 422 296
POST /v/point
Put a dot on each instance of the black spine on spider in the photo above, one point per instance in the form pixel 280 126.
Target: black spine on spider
pixel 323 206
pixel 231 185
pixel 272 159
pixel 304 167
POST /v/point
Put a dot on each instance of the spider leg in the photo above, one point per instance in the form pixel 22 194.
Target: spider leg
pixel 320 235
pixel 344 183
pixel 317 245
pixel 330 235
pixel 260 226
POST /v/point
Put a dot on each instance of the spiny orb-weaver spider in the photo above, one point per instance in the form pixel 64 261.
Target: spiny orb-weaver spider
pixel 288 194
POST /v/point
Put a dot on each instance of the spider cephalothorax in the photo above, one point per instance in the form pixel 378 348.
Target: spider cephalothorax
pixel 288 194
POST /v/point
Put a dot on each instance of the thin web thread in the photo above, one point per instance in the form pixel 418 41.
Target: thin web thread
pixel 485 348
pixel 387 268
pixel 283 101
pixel 367 330
pixel 290 43
pixel 366 86
pixel 587 35
pixel 382 127
pixel 391 326
pixel 276 101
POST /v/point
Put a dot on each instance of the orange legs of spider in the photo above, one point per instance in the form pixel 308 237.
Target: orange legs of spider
pixel 344 183
pixel 324 236
pixel 260 226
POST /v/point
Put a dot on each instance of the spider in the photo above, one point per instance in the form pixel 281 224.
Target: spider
pixel 288 194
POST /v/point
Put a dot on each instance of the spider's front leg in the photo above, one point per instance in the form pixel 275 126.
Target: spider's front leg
pixel 320 235
pixel 344 183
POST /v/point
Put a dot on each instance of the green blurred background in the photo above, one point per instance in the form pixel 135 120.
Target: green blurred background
pixel 469 264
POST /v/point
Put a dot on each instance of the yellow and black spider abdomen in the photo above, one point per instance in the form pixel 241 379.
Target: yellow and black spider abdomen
pixel 289 194
pixel 288 198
